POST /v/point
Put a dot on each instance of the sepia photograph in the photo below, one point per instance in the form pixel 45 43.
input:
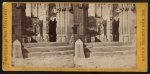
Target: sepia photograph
pixel 74 35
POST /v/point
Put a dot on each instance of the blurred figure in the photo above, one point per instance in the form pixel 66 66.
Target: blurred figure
pixel 101 30
pixel 115 29
pixel 52 30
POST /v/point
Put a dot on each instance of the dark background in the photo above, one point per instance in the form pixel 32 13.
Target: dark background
pixel 48 72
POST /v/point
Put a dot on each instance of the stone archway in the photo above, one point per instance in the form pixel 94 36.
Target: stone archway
pixel 64 18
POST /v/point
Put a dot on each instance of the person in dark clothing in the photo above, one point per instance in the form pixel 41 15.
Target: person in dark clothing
pixel 115 30
pixel 52 30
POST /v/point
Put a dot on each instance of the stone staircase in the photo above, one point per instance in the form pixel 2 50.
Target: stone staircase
pixel 91 49
pixel 109 48
pixel 47 49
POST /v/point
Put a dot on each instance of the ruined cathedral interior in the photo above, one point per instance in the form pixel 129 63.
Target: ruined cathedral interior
pixel 66 22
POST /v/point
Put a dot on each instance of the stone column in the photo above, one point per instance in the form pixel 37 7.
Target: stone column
pixel 126 25
pixel 98 10
pixel 86 23
pixel 28 9
pixel 128 19
pixel 66 24
pixel 123 24
pixel 97 16
pixel 34 10
pixel 92 8
pixel 28 14
pixel 58 29
pixel 44 29
pixel 70 25
pixel 63 24
pixel 120 24
pixel 40 16
pixel 105 16
pixel 132 24
pixel 79 20
pixel 18 21
pixel 44 17
pixel 108 23
pixel 57 19
pixel 39 10
pixel 104 11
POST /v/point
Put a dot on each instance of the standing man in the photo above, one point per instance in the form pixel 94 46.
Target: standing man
pixel 54 25
pixel 50 32
pixel 52 29
pixel 115 29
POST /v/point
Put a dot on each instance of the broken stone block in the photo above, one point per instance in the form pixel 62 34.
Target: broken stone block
pixel 79 49
pixel 17 49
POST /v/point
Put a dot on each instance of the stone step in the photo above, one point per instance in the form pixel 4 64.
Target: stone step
pixel 54 53
pixel 93 44
pixel 42 44
pixel 110 48
pixel 49 48
pixel 112 53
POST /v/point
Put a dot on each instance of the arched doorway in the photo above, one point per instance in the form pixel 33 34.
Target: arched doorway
pixel 63 15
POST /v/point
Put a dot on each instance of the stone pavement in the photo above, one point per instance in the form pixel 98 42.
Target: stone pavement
pixel 109 61
pixel 101 55
pixel 66 61
pixel 46 61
